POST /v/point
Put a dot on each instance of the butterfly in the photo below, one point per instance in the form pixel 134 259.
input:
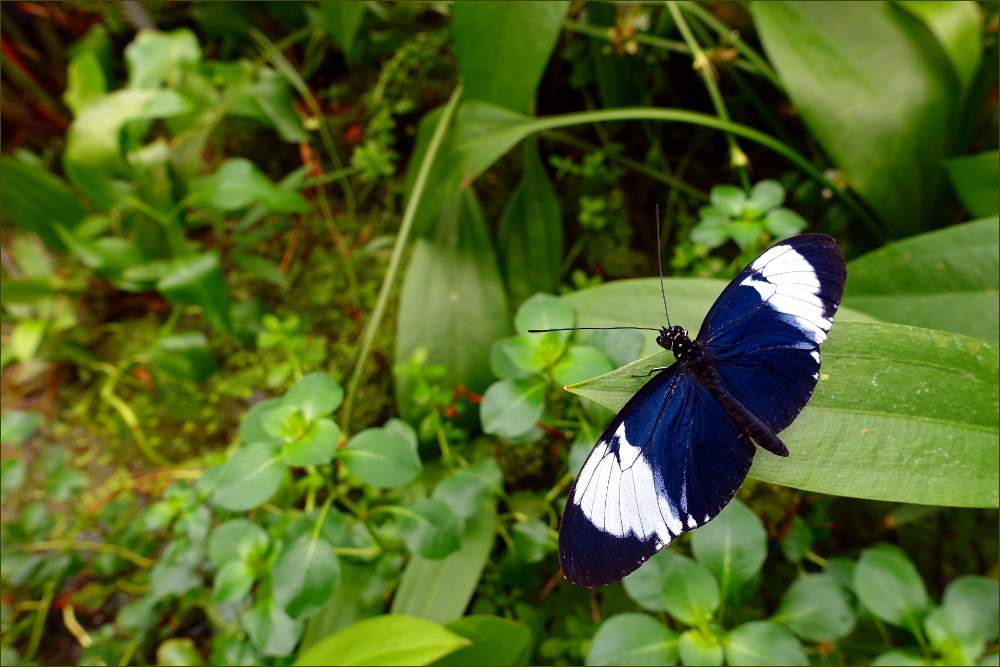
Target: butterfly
pixel 679 450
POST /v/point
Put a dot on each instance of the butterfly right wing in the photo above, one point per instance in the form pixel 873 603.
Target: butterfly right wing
pixel 669 462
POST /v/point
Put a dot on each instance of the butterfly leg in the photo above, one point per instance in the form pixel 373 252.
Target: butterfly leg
pixel 650 372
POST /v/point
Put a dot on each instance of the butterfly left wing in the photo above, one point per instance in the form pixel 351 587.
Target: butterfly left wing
pixel 669 462
pixel 764 331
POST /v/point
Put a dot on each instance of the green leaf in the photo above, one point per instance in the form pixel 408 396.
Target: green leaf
pixel 262 268
pixel 957 635
pixel 544 311
pixel 711 232
pixel 976 179
pixel 782 223
pixel 343 19
pixel 883 60
pixel 239 183
pixel 977 597
pixel 85 81
pixel 633 639
pixel 36 200
pixel 867 418
pixel 733 546
pixel 897 659
pixel 503 48
pixel 11 475
pixel 109 256
pixel 511 408
pixel 766 195
pixel 17 426
pixel 958 27
pixel 620 346
pixel 495 641
pixel 184 356
pixel 385 640
pixel 815 608
pixel 236 539
pixel 316 394
pixel 154 57
pixel 26 337
pixel 178 651
pixel 27 291
pixel 270 629
pixel 252 428
pixel 516 357
pixel 452 302
pixel 699 648
pixel 430 528
pixel 381 457
pixel 440 590
pixel 233 582
pixel 352 602
pixel 249 478
pixel 197 279
pixel 646 585
pixel 581 362
pixel 463 492
pixel 530 234
pixel 315 447
pixel 272 95
pixel 799 540
pixel 690 592
pixel 763 643
pixel 305 576
pixel 533 540
pixel 728 199
pixel 745 234
pixel 946 279
pixel 889 585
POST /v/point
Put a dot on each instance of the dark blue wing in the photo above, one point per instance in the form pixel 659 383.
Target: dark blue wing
pixel 670 461
pixel 765 329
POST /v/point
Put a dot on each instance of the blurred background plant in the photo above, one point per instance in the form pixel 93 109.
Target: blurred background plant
pixel 268 272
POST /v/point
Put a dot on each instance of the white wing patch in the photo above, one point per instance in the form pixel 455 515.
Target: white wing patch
pixel 789 284
pixel 619 495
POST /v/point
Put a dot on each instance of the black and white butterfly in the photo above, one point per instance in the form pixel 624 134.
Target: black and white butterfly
pixel 679 450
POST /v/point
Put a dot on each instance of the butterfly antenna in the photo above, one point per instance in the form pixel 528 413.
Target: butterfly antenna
pixel 659 265
pixel 590 329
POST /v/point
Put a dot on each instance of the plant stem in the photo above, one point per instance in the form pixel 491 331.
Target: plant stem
pixel 79 545
pixel 38 627
pixel 124 410
pixel 371 327
pixel 737 158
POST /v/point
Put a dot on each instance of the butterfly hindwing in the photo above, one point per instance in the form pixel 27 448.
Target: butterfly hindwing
pixel 764 331
pixel 669 462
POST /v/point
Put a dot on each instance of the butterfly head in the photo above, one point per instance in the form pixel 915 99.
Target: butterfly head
pixel 674 339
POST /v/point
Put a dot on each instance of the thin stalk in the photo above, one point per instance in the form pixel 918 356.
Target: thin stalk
pixel 634 165
pixel 81 545
pixel 737 158
pixel 338 240
pixel 732 37
pixel 281 63
pixel 371 327
pixel 38 627
pixel 705 120
pixel 124 410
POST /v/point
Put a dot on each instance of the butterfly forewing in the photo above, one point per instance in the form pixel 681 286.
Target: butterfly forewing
pixel 673 458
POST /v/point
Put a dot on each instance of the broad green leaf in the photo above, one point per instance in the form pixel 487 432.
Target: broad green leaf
pixel 109 256
pixel 381 457
pixel 946 279
pixel 732 546
pixel 17 426
pixel 581 362
pixel 503 48
pixel 633 639
pixel 26 337
pixel 888 399
pixel 530 235
pixel 430 528
pixel 763 643
pixel 305 576
pixel 495 641
pixel 699 648
pixel 385 640
pixel 440 590
pixel 452 302
pixel 544 311
pixel 36 199
pixel 978 597
pixel 462 492
pixel 270 629
pixel 317 395
pixel 889 585
pixel 349 604
pixel 85 81
pixel 343 19
pixel 862 76
pixel 976 179
pixel 621 346
pixel 621 78
pixel 184 356
pixel 252 429
pixel 236 539
pixel 815 608
pixel 249 478
pixel 178 651
pixel 958 27
pixel 238 183
pixel 272 95
pixel 957 635
pixel 233 582
pixel 27 291
pixel 511 408
pixel 690 592
pixel 154 57
pixel 533 540
pixel 198 280
pixel 765 195
pixel 897 659
pixel 314 448
pixel 645 585
pixel 262 268
pixel 516 357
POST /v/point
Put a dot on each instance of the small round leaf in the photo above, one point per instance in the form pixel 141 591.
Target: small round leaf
pixel 544 311
pixel 816 608
pixel 235 539
pixel 381 457
pixel 763 643
pixel 633 639
pixel 510 408
pixel 314 448
pixel 699 648
pixel 249 478
pixel 581 362
pixel 889 585
pixel 691 594
pixel 305 576
pixel 316 394
pixel 430 528
pixel 732 546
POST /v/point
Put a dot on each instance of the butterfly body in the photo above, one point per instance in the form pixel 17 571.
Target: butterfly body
pixel 680 448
